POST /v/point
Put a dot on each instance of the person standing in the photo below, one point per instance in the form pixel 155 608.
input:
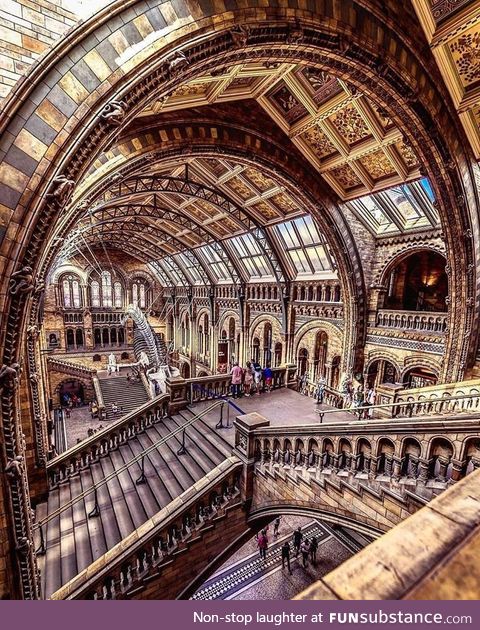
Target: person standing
pixel 321 384
pixel 305 549
pixel 237 374
pixel 262 543
pixel 313 550
pixel 268 376
pixel 248 379
pixel 276 526
pixel 257 377
pixel 297 540
pixel 369 402
pixel 286 556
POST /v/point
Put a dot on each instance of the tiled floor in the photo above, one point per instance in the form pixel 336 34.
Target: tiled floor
pixel 246 576
pixel 78 424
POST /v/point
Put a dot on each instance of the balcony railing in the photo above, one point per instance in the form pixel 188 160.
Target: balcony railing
pixel 421 321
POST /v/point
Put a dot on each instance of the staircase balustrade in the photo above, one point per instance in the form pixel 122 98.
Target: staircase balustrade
pixel 140 556
pixel 81 455
pixel 68 367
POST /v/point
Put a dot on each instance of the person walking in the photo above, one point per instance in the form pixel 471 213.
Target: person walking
pixel 286 556
pixel 297 540
pixel 68 413
pixel 237 375
pixel 262 543
pixel 276 526
pixel 369 402
pixel 313 551
pixel 305 549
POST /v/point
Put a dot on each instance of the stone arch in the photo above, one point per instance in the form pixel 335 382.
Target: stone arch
pixel 400 254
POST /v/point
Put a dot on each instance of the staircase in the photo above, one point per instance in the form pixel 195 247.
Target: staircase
pixel 73 540
pixel 126 395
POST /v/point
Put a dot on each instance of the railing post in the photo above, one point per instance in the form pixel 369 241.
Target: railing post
pixel 245 427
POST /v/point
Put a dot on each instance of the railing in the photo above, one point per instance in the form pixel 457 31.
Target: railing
pixel 59 431
pixel 409 449
pixel 99 398
pixel 468 403
pixel 433 392
pixel 208 387
pixel 421 321
pixel 68 367
pixel 140 555
pixel 101 443
pixel 66 466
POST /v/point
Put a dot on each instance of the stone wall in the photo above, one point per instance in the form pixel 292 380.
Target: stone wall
pixel 430 556
pixel 27 29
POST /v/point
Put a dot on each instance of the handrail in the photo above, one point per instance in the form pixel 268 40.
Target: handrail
pixel 126 466
pixel 409 404
pixel 99 435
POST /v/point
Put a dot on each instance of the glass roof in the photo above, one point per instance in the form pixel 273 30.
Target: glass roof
pixel 305 247
pixel 212 259
pixel 249 252
pixel 398 209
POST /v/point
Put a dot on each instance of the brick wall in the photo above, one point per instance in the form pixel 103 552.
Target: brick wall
pixel 27 29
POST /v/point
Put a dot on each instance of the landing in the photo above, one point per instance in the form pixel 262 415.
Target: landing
pixel 283 407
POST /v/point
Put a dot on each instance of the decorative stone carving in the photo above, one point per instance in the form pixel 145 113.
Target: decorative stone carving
pixel 22 281
pixel 13 469
pixel 176 64
pixel 10 375
pixel 114 112
pixel 33 332
pixel 295 35
pixel 239 35
pixel 62 189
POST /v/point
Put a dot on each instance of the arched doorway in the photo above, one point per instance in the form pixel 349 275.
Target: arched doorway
pixel 380 372
pixel 70 389
pixel 419 377
pixel 418 283
pixel 302 361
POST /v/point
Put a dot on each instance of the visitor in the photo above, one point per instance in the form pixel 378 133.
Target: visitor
pixel 320 393
pixel 237 375
pixel 369 402
pixel 68 413
pixel 114 410
pixel 262 542
pixel 268 376
pixel 257 377
pixel 276 526
pixel 304 384
pixel 286 556
pixel 247 379
pixel 358 400
pixel 313 550
pixel 129 378
pixel 305 549
pixel 297 540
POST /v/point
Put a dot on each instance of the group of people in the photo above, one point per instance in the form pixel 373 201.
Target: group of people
pixel 308 548
pixel 352 396
pixel 251 380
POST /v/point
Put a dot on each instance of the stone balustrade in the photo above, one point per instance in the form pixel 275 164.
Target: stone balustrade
pixel 147 553
pixel 410 453
pixel 101 443
pixel 419 321
pixel 68 367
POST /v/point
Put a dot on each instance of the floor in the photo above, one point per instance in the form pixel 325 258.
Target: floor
pixel 78 424
pixel 283 407
pixel 245 576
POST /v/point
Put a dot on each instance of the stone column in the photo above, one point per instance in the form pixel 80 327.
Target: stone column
pixel 245 426
pixel 423 470
pixel 397 468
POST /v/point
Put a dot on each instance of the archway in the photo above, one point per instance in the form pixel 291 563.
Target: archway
pixel 382 371
pixel 419 377
pixel 418 283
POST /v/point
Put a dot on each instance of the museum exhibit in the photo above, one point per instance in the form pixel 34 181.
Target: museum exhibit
pixel 240 299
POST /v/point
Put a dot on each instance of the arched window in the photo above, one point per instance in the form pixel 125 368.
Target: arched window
pixel 117 293
pixel 107 289
pixel 278 353
pixel 67 299
pixel 95 293
pixel 71 292
pixel 321 343
pixel 139 293
pixel 142 300
pixel 267 343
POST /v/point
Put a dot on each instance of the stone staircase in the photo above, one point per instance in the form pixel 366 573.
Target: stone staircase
pixel 74 540
pixel 126 395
